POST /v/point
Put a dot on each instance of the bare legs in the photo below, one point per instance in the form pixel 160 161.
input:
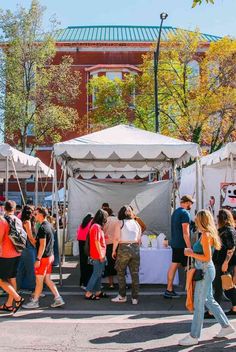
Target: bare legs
pixel 171 275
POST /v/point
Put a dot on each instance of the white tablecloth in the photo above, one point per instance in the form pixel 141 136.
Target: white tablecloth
pixel 154 265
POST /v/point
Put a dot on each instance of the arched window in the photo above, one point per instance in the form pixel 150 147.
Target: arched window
pixel 193 73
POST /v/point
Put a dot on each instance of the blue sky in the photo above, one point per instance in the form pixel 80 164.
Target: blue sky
pixel 218 19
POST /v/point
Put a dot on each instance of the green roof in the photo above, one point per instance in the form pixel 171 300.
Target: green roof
pixel 120 34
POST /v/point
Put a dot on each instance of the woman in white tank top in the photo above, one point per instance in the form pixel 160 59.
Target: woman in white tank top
pixel 128 255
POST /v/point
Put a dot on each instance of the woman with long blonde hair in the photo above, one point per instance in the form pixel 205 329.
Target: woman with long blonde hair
pixel 202 252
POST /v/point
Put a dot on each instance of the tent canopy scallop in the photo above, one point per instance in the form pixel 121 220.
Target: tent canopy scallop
pixel 221 156
pixel 121 146
pixel 25 165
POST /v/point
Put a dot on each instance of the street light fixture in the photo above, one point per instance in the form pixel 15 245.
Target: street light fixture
pixel 163 16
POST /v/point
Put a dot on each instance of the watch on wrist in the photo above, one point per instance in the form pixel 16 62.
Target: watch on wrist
pixel 37 259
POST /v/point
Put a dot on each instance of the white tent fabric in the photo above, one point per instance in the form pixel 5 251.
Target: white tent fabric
pixel 25 165
pixel 123 149
pixel 150 201
pixel 217 168
pixel 60 197
pixel 220 157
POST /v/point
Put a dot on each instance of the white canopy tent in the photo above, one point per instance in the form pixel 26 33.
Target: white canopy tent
pixel 122 150
pixel 218 167
pixel 21 165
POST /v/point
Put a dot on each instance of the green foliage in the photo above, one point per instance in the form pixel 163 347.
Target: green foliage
pixel 199 2
pixel 111 100
pixel 197 94
pixel 34 93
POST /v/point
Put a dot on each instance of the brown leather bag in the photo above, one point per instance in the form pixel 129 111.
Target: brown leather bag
pixel 227 281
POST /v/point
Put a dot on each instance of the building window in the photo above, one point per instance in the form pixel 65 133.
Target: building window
pixel 113 74
pixel 193 74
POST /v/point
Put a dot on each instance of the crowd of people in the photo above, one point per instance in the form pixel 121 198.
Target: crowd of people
pixel 214 254
pixel 109 245
pixel 31 267
pixel 114 244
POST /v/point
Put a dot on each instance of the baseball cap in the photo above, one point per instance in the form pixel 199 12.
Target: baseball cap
pixel 187 198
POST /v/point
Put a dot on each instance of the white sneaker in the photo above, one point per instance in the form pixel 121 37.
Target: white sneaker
pixel 31 305
pixel 226 331
pixel 134 301
pixel 119 299
pixel 58 302
pixel 188 341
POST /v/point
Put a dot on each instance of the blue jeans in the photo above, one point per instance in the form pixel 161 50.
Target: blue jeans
pixel 203 296
pixel 25 276
pixel 94 284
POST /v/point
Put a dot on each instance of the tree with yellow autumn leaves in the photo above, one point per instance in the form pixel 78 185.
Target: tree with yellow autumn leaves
pixel 197 92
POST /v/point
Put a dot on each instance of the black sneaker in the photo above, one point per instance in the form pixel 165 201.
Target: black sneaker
pixel 171 294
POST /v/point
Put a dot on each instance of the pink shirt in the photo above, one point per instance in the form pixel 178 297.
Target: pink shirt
pixel 82 232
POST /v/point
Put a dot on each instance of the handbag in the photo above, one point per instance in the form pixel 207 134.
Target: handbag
pixel 198 275
pixel 227 281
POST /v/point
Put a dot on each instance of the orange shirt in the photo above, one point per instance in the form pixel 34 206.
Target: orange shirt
pixel 7 248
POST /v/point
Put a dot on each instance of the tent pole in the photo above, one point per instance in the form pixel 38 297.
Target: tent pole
pixel 7 177
pixel 57 215
pixel 232 167
pixel 197 182
pixel 36 201
pixel 64 212
pixel 174 184
pixel 202 187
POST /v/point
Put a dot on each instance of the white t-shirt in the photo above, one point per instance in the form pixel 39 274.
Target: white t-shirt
pixel 130 231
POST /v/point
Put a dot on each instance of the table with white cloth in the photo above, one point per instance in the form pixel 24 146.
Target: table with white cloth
pixel 154 265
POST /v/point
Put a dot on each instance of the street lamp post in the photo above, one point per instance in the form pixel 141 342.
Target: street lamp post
pixel 163 16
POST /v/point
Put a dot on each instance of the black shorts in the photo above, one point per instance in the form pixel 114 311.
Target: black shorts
pixel 8 267
pixel 179 257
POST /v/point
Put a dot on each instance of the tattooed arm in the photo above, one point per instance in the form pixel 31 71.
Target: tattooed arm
pixel 229 255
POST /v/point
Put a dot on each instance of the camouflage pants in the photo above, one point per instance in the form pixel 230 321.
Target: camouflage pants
pixel 128 255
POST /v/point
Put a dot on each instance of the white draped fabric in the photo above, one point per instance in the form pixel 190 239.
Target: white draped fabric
pixel 151 201
pixel 154 265
pixel 217 168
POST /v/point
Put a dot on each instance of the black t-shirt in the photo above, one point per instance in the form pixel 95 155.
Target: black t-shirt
pixel 46 231
pixel 228 240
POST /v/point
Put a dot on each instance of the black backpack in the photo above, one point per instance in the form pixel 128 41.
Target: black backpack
pixel 17 234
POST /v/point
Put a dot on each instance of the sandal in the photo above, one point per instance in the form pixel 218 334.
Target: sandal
pixel 5 308
pixel 92 298
pixel 102 295
pixel 18 304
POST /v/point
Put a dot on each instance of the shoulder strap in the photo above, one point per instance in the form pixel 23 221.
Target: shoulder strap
pixel 122 224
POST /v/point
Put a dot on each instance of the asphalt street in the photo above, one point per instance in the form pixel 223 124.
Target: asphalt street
pixel 155 324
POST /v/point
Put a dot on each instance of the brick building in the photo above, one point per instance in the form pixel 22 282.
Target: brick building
pixel 104 50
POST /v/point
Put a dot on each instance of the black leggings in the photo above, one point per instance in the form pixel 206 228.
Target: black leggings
pixel 230 294
pixel 85 268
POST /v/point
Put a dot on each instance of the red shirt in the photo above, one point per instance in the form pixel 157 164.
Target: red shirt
pixel 7 248
pixel 96 234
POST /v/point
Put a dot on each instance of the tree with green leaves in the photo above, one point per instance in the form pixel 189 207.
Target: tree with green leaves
pixel 199 2
pixel 36 95
pixel 197 94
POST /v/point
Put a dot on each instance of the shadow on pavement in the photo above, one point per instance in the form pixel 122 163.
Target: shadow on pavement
pixel 207 345
pixel 159 332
